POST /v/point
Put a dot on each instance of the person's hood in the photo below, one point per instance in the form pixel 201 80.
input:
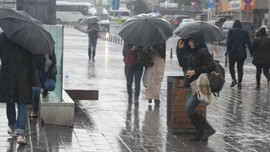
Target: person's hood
pixel 261 32
pixel 237 24
pixel 197 37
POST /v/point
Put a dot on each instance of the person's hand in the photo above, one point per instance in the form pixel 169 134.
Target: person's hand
pixel 134 48
pixel 181 44
pixel 190 73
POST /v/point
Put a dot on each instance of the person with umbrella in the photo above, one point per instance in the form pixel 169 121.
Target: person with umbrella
pixel 237 40
pixel 154 71
pixel 261 55
pixel 200 61
pixel 93 29
pixel 133 69
pixel 17 76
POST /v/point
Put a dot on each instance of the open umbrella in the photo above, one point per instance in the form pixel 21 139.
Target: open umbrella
pixel 146 30
pixel 26 31
pixel 210 32
pixel 92 19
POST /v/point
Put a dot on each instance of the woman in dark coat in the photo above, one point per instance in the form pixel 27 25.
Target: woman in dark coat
pixel 260 50
pixel 182 53
pixel 134 71
pixel 199 61
pixel 17 76
pixel 237 40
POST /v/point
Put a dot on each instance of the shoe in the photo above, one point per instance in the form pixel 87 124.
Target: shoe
pixel 257 87
pixel 34 114
pixel 239 86
pixel 21 140
pixel 198 136
pixel 209 132
pixel 149 100
pixel 157 102
pixel 45 93
pixel 12 133
pixel 234 82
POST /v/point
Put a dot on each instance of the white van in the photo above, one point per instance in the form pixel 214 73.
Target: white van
pixel 72 12
pixel 123 13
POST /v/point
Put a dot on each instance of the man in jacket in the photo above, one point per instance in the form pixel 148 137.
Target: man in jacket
pixel 93 29
pixel 199 61
pixel 237 40
pixel 260 51
pixel 17 76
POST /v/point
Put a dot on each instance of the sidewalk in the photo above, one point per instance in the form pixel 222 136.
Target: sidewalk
pixel 241 117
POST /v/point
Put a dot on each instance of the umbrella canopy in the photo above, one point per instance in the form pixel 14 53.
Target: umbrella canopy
pixel 26 31
pixel 210 32
pixel 146 30
pixel 92 19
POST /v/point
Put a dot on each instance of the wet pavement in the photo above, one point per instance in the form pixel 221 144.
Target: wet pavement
pixel 241 117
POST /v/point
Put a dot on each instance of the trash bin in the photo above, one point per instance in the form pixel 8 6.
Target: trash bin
pixel 177 119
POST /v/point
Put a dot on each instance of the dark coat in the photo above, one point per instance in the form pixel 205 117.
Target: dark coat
pixel 237 40
pixel 52 71
pixel 18 72
pixel 183 54
pixel 93 30
pixel 260 49
pixel 127 50
pixel 200 59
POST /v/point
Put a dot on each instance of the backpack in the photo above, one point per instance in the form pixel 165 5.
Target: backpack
pixel 216 79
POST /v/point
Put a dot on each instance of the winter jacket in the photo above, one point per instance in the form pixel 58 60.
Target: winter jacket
pixel 200 59
pixel 93 30
pixel 237 40
pixel 183 54
pixel 52 71
pixel 127 50
pixel 18 72
pixel 260 49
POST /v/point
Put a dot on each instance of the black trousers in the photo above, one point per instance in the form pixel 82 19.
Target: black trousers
pixel 259 68
pixel 240 65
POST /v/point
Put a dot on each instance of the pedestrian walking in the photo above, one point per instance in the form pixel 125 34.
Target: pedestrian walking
pixel 200 61
pixel 46 65
pixel 154 71
pixel 260 50
pixel 133 69
pixel 237 40
pixel 17 77
pixel 93 29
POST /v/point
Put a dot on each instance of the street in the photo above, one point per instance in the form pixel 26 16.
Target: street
pixel 239 116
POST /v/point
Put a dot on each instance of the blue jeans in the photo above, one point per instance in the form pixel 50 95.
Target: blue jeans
pixel 191 104
pixel 35 96
pixel 92 42
pixel 136 72
pixel 20 123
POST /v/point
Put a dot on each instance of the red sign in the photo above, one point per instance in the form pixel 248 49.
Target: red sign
pixel 247 7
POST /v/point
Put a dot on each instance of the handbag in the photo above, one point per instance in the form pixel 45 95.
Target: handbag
pixel 49 84
pixel 131 59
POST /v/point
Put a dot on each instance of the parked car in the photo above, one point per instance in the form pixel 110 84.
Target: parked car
pixel 249 26
pixel 177 19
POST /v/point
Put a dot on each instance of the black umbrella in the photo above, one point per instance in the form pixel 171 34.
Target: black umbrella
pixel 146 30
pixel 210 32
pixel 26 31
pixel 91 20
